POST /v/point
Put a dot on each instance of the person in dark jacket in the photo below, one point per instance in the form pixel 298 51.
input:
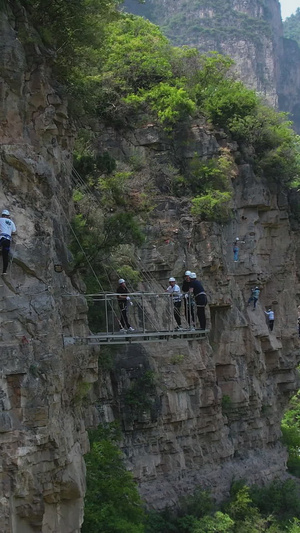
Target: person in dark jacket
pixel 197 289
pixel 188 302
pixel 123 301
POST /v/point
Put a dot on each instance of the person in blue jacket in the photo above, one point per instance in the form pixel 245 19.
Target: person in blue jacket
pixel 197 289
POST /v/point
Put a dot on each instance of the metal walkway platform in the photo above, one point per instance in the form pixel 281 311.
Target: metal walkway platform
pixel 136 337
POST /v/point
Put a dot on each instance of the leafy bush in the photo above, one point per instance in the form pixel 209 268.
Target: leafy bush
pixel 212 206
pixel 112 502
pixel 291 26
pixel 280 498
pixel 290 427
pixel 211 524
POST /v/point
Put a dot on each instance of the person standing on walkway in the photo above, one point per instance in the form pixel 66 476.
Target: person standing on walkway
pixel 174 290
pixel 254 297
pixel 271 318
pixel 7 229
pixel 197 289
pixel 188 301
pixel 123 301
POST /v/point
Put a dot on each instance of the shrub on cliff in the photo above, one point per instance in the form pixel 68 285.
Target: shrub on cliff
pixel 72 29
pixel 291 26
pixel 112 501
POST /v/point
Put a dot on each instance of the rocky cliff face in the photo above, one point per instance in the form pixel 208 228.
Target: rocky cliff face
pixel 42 437
pixel 215 405
pixel 214 408
pixel 249 31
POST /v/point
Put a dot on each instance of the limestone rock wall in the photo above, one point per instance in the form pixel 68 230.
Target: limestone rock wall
pixel 213 412
pixel 42 436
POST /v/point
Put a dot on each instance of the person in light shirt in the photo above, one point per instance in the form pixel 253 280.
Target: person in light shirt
pixel 174 291
pixel 7 229
pixel 271 318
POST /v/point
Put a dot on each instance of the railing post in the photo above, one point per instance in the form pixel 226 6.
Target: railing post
pixel 190 323
pixel 106 313
pixel 111 303
pixel 143 310
pixel 172 311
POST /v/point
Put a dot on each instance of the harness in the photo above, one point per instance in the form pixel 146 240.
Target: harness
pixel 199 294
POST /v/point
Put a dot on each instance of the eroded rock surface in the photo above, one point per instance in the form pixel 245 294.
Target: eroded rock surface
pixel 42 436
pixel 214 412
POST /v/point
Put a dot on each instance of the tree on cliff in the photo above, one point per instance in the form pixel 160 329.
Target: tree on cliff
pixel 112 502
pixel 291 26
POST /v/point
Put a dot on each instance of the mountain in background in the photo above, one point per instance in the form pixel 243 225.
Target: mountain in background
pixel 249 31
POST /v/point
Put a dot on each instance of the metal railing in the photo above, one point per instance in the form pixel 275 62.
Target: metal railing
pixel 149 312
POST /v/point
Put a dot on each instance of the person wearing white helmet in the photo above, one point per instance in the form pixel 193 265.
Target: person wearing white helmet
pixel 7 229
pixel 174 291
pixel 188 300
pixel 123 301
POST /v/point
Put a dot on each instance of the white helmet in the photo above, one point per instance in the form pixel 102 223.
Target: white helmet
pixel 237 239
pixel 187 273
pixel 121 280
pixel 193 275
pixel 172 279
pixel 5 212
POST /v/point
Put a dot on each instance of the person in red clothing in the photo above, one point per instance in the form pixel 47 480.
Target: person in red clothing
pixel 123 301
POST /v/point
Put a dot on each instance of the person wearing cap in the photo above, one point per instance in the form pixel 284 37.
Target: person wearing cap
pixel 123 301
pixel 254 297
pixel 174 290
pixel 7 229
pixel 188 302
pixel 271 318
pixel 197 289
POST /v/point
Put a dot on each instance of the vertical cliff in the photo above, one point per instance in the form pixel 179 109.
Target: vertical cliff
pixel 249 31
pixel 42 437
pixel 211 412
pixel 211 409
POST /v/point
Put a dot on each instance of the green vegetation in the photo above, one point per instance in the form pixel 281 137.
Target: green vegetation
pixel 121 69
pixel 112 502
pixel 73 30
pixel 274 508
pixel 290 428
pixel 183 26
pixel 291 26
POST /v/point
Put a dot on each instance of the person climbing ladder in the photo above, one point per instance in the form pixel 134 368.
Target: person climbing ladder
pixel 7 229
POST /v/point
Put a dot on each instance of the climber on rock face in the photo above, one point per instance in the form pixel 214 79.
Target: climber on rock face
pixel 254 297
pixel 236 250
pixel 123 301
pixel 174 290
pixel 7 229
pixel 271 317
pixel 197 289
pixel 188 302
